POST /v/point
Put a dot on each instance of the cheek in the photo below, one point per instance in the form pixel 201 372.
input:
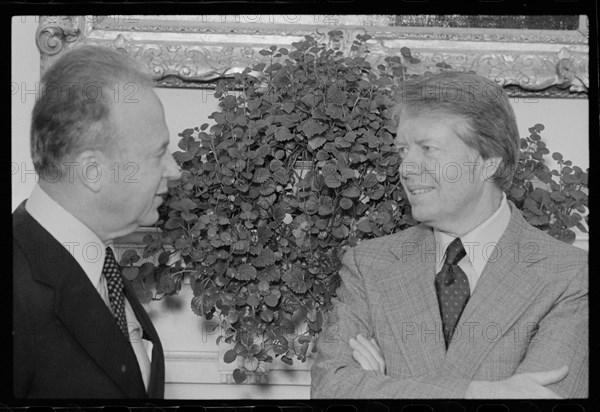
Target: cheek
pixel 451 174
pixel 148 179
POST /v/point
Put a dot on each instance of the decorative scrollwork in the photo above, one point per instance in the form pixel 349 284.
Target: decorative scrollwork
pixel 182 65
pixel 54 32
pixel 200 54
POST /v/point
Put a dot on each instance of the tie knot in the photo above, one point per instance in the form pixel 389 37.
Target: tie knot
pixel 455 252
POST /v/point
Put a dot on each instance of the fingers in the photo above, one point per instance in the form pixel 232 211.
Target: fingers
pixel 551 395
pixel 363 361
pixel 362 356
pixel 538 392
pixel 369 351
pixel 548 377
pixel 371 347
pixel 380 355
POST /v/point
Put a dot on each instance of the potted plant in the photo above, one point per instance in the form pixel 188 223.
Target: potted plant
pixel 300 165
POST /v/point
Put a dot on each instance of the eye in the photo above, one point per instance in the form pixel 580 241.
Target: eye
pixel 427 148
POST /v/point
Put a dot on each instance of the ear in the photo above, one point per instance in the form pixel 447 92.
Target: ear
pixel 490 167
pixel 90 168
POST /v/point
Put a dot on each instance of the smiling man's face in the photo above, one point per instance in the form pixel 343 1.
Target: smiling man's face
pixel 443 177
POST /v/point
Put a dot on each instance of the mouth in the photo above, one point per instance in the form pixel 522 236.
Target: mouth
pixel 415 191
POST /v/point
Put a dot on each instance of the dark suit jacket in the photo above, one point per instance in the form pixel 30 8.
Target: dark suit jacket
pixel 528 313
pixel 66 342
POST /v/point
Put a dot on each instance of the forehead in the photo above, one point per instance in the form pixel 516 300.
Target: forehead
pixel 140 121
pixel 430 125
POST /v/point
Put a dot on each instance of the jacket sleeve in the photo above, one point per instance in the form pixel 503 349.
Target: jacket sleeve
pixel 335 374
pixel 22 328
pixel 562 339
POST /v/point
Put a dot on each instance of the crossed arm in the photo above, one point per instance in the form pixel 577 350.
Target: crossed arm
pixel 523 385
pixel 335 374
pixel 350 365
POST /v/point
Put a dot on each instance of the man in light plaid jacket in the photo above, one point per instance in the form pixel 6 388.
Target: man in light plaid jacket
pixel 523 332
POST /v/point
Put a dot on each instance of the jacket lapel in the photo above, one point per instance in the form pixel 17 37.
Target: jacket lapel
pixel 157 369
pixel 410 301
pixel 82 311
pixel 504 291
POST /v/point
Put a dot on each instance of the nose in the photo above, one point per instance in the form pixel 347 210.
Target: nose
pixel 172 170
pixel 410 164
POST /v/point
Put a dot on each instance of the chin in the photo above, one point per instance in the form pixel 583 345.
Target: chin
pixel 420 215
pixel 149 220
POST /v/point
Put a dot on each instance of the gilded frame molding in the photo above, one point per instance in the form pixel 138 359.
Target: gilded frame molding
pixel 195 51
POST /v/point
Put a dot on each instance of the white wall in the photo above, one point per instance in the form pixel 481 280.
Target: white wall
pixel 566 122
pixel 25 75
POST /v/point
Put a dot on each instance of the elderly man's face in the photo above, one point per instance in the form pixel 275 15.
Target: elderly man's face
pixel 442 176
pixel 143 165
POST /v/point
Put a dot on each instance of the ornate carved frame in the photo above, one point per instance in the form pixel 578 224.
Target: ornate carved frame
pixel 194 51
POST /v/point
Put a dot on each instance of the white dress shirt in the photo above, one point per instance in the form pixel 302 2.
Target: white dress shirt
pixel 89 252
pixel 479 243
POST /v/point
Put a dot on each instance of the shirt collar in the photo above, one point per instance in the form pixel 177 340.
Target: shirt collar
pixel 478 242
pixel 78 239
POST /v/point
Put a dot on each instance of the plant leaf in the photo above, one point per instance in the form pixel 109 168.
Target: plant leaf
pixel 283 134
pixel 271 300
pixel 280 345
pixel 130 273
pixel 352 192
pixel 245 272
pixel 261 175
pixel 253 301
pixel 316 142
pixel 230 356
pixel 239 376
pixel 364 225
pixel 174 223
pixel 346 203
pixel 251 363
pixel 130 256
pixel 287 360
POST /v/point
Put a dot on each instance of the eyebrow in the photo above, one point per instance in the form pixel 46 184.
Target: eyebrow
pixel 417 141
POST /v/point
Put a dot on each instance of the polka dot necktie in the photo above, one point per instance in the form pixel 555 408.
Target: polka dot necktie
pixel 115 285
pixel 452 287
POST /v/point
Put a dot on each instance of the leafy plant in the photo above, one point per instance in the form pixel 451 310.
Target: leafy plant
pixel 551 200
pixel 299 165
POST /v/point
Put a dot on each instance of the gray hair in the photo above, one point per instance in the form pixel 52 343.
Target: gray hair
pixel 73 112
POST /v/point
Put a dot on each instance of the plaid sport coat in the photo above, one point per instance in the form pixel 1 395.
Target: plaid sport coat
pixel 528 313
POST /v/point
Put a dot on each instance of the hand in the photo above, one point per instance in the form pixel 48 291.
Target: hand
pixel 523 385
pixel 367 354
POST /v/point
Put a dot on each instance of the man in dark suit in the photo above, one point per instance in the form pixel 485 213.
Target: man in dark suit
pixel 99 145
pixel 474 302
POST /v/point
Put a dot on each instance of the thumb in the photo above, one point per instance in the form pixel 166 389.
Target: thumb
pixel 549 377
